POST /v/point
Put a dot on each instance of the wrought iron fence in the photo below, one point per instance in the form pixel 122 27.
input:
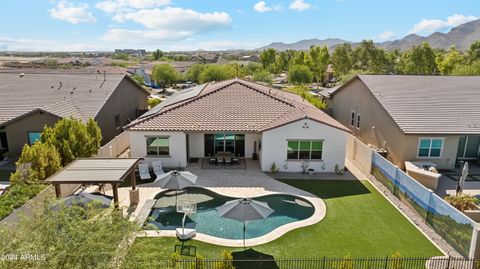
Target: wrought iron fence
pixel 316 263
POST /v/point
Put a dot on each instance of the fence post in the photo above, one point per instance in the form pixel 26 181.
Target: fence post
pixel 324 261
pixel 386 262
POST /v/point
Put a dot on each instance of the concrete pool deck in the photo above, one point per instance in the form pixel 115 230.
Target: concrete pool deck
pixel 239 183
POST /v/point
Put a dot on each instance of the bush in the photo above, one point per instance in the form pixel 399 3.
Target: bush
pixel 262 76
pixel 299 74
pixel 304 93
pixel 152 102
pixel 16 196
pixel 462 201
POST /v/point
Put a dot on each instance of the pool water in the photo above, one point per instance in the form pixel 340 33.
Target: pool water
pixel 288 208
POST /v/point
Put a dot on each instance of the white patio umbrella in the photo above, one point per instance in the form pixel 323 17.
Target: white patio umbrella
pixel 175 180
pixel 245 210
pixel 463 178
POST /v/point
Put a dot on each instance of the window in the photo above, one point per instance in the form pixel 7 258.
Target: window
pixel 352 119
pixel 158 146
pixel 33 137
pixel 358 121
pixel 304 149
pixel 430 147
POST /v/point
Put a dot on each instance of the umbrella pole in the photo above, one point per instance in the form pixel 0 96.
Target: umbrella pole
pixel 176 197
pixel 244 232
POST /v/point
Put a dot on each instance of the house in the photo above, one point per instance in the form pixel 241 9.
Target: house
pixel 414 118
pixel 133 52
pixel 29 101
pixel 244 119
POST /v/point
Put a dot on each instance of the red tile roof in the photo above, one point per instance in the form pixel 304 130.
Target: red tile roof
pixel 233 106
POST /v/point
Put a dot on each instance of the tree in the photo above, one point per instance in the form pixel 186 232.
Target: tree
pixel 472 69
pixel 157 55
pixel 216 73
pixel 299 74
pixel 446 63
pixel 36 163
pixel 263 76
pixel 367 57
pixel 267 58
pixel 68 237
pixel 342 59
pixel 73 138
pixel 52 63
pixel 419 60
pixel 317 60
pixel 193 73
pixel 473 54
pixel 165 74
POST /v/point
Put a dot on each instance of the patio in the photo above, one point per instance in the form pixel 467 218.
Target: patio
pixel 447 183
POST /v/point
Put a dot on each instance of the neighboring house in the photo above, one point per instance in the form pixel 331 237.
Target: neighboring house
pixel 133 52
pixel 242 118
pixel 30 101
pixel 428 118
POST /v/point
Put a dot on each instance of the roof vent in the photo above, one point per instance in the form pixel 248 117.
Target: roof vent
pixel 22 75
pixel 90 90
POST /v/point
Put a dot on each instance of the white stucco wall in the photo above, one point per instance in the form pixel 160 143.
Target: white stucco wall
pixel 197 145
pixel 274 146
pixel 249 141
pixel 177 143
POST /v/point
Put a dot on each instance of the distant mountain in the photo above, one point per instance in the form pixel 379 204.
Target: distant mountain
pixel 461 36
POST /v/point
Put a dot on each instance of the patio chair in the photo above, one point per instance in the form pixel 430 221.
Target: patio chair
pixel 213 160
pixel 143 171
pixel 157 168
pixel 235 160
pixel 228 160
pixel 220 160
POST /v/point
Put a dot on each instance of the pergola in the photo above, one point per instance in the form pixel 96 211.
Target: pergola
pixel 94 171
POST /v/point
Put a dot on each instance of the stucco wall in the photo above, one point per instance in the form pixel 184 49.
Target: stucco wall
pixel 379 129
pixel 197 145
pixel 274 146
pixel 249 143
pixel 17 131
pixel 177 144
pixel 124 102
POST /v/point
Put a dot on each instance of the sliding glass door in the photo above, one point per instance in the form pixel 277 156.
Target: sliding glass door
pixel 468 147
pixel 225 142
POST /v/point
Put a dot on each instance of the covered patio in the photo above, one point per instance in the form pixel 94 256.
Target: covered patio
pixel 97 171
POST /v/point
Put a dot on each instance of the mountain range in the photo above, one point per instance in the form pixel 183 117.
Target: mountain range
pixel 461 36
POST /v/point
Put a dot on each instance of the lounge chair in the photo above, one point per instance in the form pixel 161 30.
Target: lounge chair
pixel 157 168
pixel 143 171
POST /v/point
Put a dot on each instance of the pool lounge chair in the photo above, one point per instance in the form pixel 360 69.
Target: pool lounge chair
pixel 157 168
pixel 143 171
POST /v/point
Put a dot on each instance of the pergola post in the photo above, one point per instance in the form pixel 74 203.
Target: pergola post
pixel 133 180
pixel 115 194
pixel 58 191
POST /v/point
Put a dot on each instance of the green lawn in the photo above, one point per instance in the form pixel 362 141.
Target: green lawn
pixel 359 223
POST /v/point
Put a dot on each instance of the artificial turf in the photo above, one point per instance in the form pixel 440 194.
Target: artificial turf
pixel 360 222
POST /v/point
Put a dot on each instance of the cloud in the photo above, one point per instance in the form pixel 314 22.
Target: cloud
pixel 25 44
pixel 428 26
pixel 115 6
pixel 72 13
pixel 170 23
pixel 262 7
pixel 387 35
pixel 299 5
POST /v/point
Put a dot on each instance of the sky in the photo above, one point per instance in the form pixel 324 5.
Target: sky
pixel 173 25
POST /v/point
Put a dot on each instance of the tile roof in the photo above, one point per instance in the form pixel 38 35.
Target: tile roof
pixel 79 95
pixel 233 105
pixel 429 104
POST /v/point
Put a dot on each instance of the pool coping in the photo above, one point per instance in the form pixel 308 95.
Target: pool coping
pixel 249 192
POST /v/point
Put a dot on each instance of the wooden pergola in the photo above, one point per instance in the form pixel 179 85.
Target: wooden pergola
pixel 96 171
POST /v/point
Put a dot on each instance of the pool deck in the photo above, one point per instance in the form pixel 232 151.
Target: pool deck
pixel 239 183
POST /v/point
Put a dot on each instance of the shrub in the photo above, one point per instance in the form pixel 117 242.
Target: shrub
pixel 299 74
pixel 153 102
pixel 227 261
pixel 462 201
pixel 274 168
pixel 16 196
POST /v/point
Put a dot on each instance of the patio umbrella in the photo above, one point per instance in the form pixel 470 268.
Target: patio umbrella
pixel 463 177
pixel 84 198
pixel 244 210
pixel 175 180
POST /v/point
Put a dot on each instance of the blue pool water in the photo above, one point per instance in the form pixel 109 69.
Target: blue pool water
pixel 288 208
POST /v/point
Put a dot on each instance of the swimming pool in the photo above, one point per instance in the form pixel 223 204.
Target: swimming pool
pixel 163 216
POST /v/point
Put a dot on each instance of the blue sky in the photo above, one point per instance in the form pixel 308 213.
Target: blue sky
pixel 52 25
